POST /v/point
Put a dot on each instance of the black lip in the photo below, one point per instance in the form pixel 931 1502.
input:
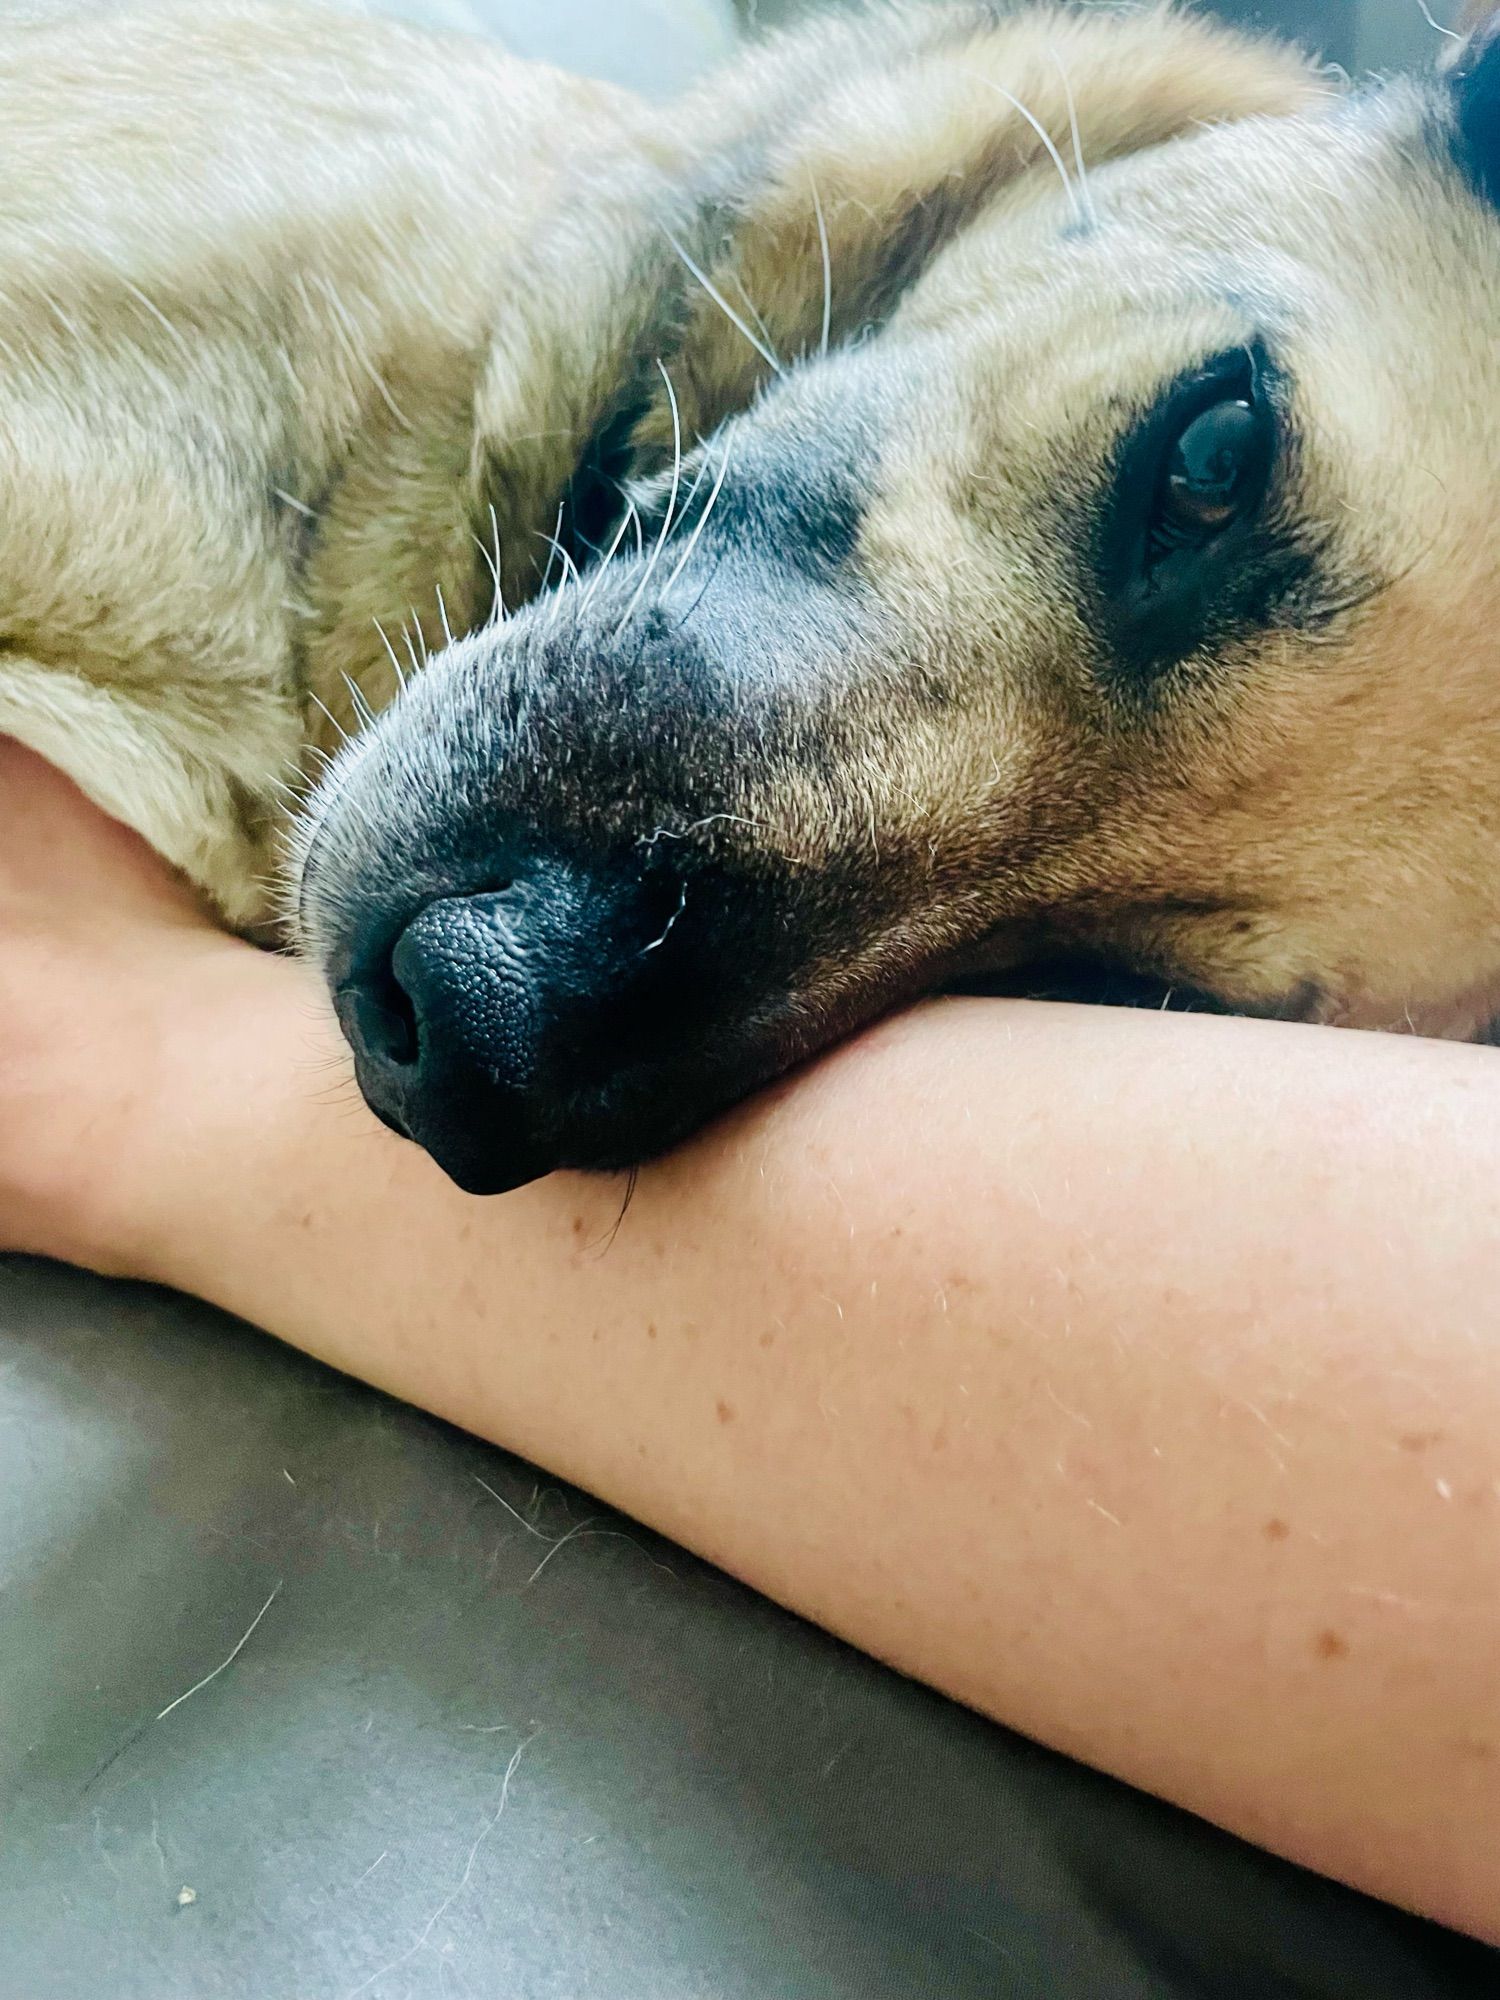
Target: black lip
pixel 387 1118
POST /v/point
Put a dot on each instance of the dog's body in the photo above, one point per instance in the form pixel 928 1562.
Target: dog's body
pixel 268 291
pixel 1035 554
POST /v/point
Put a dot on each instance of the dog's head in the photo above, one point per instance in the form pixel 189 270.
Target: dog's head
pixel 1102 565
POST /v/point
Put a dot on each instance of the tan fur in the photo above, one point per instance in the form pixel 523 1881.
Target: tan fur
pixel 900 154
pixel 412 285
pixel 259 261
pixel 255 264
pixel 1312 828
pixel 1332 804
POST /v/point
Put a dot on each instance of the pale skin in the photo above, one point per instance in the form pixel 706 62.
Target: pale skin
pixel 1133 1379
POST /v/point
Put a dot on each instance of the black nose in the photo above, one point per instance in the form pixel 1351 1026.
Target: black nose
pixel 444 1028
pixel 489 1014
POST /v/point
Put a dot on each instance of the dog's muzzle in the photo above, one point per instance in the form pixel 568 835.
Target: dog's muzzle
pixel 472 1023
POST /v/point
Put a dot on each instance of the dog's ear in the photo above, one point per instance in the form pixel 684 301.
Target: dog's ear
pixel 869 145
pixel 1474 79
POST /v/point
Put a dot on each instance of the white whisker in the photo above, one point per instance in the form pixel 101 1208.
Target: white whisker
pixel 1046 138
pixel 421 636
pixel 692 493
pixel 1085 192
pixel 286 791
pixel 610 553
pixel 555 538
pixel 657 943
pixel 499 614
pixel 489 563
pixel 396 666
pixel 700 524
pixel 754 311
pixel 318 702
pixel 570 568
pixel 411 652
pixel 827 271
pixel 364 715
pixel 443 613
pixel 666 526
pixel 1437 27
pixel 765 352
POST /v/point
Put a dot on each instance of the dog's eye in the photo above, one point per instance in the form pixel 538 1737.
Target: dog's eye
pixel 1211 472
pixel 1189 547
pixel 1214 474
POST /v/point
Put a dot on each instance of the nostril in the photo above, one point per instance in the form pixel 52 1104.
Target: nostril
pixel 384 1018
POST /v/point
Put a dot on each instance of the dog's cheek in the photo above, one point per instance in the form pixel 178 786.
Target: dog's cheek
pixel 1475 82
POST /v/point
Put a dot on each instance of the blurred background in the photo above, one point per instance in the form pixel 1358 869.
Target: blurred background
pixel 1360 34
pixel 660 45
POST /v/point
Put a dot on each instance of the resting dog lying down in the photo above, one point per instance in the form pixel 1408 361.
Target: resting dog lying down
pixel 1056 521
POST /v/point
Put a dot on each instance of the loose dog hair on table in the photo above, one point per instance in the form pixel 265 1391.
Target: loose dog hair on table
pixel 1018 483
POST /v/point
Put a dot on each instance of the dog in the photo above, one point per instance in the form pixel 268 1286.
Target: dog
pixel 313 326
pixel 1019 479
pixel 1080 548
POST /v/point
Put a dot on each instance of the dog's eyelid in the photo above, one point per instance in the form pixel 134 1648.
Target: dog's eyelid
pixel 1168 585
pixel 1244 372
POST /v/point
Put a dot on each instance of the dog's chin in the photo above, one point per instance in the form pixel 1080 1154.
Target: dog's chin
pixel 606 1136
pixel 469 1159
pixel 623 1129
pixel 1091 982
pixel 1470 1016
pixel 1098 981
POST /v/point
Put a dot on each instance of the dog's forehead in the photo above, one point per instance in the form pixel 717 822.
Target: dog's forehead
pixel 1269 203
pixel 1340 239
pixel 1266 211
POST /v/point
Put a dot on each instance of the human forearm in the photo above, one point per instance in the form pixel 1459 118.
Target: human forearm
pixel 1133 1380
